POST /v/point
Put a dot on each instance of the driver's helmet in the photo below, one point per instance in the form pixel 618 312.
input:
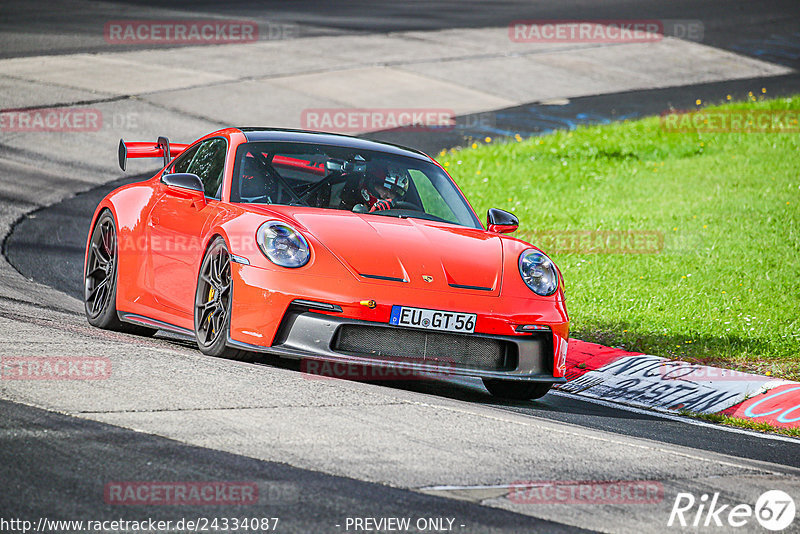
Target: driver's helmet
pixel 389 178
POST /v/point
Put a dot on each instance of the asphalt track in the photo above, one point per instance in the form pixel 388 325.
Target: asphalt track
pixel 767 29
pixel 86 454
pixel 54 465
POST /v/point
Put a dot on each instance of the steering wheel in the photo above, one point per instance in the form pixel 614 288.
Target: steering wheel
pixel 404 205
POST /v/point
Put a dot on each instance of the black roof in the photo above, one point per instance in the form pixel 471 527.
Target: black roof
pixel 303 136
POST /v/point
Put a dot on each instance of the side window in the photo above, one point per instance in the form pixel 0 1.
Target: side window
pixel 183 161
pixel 209 164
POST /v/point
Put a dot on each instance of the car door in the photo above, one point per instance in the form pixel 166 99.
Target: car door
pixel 176 226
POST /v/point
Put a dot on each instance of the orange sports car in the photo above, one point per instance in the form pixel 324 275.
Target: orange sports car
pixel 326 248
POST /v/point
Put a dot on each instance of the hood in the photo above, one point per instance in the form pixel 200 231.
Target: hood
pixel 386 248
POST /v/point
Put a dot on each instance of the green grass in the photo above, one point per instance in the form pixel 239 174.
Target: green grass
pixel 724 289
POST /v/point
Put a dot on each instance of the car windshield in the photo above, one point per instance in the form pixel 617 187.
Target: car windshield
pixel 343 178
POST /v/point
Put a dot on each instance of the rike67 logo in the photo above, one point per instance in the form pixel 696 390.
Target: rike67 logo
pixel 774 510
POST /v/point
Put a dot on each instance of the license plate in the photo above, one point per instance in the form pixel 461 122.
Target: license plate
pixel 433 319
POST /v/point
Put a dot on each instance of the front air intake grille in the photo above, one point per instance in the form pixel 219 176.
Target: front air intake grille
pixel 419 346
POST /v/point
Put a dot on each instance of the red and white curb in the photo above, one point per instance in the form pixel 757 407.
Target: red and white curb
pixel 669 386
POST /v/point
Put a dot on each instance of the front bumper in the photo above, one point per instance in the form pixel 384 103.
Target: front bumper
pixel 306 334
pixel 267 319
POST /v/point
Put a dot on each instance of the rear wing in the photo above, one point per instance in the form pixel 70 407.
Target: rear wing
pixel 161 149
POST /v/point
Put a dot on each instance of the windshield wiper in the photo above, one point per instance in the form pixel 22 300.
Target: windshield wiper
pixel 410 214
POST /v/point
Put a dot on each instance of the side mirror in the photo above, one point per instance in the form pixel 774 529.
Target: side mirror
pixel 501 222
pixel 186 185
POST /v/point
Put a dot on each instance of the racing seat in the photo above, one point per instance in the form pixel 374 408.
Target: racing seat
pixel 253 183
pixel 347 193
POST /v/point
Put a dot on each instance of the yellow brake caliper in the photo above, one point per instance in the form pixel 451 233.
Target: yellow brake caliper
pixel 210 298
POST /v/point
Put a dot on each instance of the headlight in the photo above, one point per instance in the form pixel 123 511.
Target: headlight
pixel 538 272
pixel 282 244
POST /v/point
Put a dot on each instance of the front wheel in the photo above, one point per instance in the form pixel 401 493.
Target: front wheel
pixel 516 389
pixel 212 304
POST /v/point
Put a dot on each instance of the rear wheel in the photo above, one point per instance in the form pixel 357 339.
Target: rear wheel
pixel 100 279
pixel 212 304
pixel 515 389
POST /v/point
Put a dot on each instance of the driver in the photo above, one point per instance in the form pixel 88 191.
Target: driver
pixel 384 186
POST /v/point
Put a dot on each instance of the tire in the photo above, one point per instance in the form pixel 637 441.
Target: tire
pixel 212 304
pixel 100 280
pixel 515 389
